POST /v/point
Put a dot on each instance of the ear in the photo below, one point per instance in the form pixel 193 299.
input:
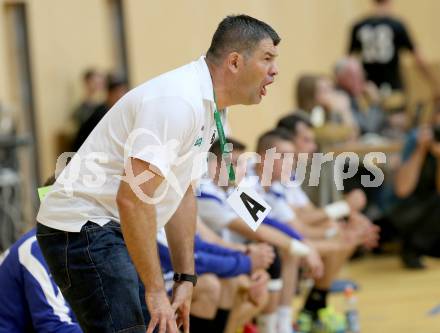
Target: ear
pixel 234 61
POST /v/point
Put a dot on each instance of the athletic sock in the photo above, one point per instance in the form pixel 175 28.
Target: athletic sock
pixel 284 318
pixel 200 325
pixel 267 323
pixel 316 300
pixel 219 322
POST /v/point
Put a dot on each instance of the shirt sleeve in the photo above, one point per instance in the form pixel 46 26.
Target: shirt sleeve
pixel 161 130
pixel 281 210
pixel 210 258
pixel 354 43
pixel 49 310
pixel 214 212
pixel 284 228
pixel 223 266
pixel 404 39
pixel 410 146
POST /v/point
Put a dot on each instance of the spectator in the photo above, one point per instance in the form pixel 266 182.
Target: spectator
pixel 315 94
pixel 116 88
pixel 94 83
pixel 364 95
pixel 379 38
pixel 417 185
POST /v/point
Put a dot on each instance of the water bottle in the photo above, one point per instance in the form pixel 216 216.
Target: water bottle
pixel 351 312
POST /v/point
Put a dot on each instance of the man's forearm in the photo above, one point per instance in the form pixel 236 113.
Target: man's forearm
pixel 180 232
pixel 139 230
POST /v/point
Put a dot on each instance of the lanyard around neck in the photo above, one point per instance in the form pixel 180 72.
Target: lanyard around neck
pixel 223 143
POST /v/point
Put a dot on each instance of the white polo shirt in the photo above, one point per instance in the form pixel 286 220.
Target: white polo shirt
pixel 167 121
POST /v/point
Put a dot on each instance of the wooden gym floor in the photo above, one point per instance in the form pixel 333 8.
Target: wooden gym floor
pixel 392 299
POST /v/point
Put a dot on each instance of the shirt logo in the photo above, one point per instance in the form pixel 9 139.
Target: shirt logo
pixel 198 142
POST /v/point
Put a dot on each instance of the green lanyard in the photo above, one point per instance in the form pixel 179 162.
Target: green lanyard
pixel 222 138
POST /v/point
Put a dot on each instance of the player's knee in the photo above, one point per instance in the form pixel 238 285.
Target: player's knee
pixel 209 287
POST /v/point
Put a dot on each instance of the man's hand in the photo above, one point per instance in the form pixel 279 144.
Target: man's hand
pixel 161 313
pixel 181 304
pixel 262 256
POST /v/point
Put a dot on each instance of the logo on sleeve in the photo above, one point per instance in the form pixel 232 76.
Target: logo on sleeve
pixel 198 142
pixel 212 138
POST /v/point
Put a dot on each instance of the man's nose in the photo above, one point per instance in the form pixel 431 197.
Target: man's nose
pixel 274 70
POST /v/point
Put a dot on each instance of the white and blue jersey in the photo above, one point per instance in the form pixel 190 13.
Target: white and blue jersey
pixel 30 301
pixel 216 212
pixel 208 258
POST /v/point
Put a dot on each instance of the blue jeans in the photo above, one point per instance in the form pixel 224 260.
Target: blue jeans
pixel 97 277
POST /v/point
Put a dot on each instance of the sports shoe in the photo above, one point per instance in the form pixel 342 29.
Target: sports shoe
pixel 304 323
pixel 329 321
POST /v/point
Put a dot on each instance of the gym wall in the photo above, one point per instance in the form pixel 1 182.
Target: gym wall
pixel 68 36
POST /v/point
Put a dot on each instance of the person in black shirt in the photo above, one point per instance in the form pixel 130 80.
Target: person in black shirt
pixel 379 38
pixel 116 88
pixel 94 84
pixel 416 210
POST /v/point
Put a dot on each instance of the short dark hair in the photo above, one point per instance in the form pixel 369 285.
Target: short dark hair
pixel 269 139
pixel 239 33
pixel 291 121
pixel 89 73
pixel 217 151
pixel 379 2
pixel 114 81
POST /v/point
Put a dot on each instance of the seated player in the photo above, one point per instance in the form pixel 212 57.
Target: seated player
pixel 214 300
pixel 358 227
pixel 30 301
pixel 219 216
pixel 335 246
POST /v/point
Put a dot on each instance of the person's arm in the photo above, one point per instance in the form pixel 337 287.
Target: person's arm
pixel 210 236
pixel 180 231
pixel 139 227
pixel 48 309
pixel 408 173
pixel 423 67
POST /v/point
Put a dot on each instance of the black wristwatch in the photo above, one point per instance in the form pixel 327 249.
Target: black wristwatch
pixel 180 277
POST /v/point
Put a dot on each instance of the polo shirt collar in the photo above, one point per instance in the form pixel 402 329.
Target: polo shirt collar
pixel 206 85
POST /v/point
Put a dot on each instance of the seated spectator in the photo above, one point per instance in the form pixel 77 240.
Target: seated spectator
pixel 417 187
pixel 94 83
pixel 351 207
pixel 327 109
pixel 116 88
pixel 364 96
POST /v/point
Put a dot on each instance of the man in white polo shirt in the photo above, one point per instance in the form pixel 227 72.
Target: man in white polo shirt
pixel 98 233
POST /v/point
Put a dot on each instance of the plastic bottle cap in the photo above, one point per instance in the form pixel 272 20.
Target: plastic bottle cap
pixel 348 291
